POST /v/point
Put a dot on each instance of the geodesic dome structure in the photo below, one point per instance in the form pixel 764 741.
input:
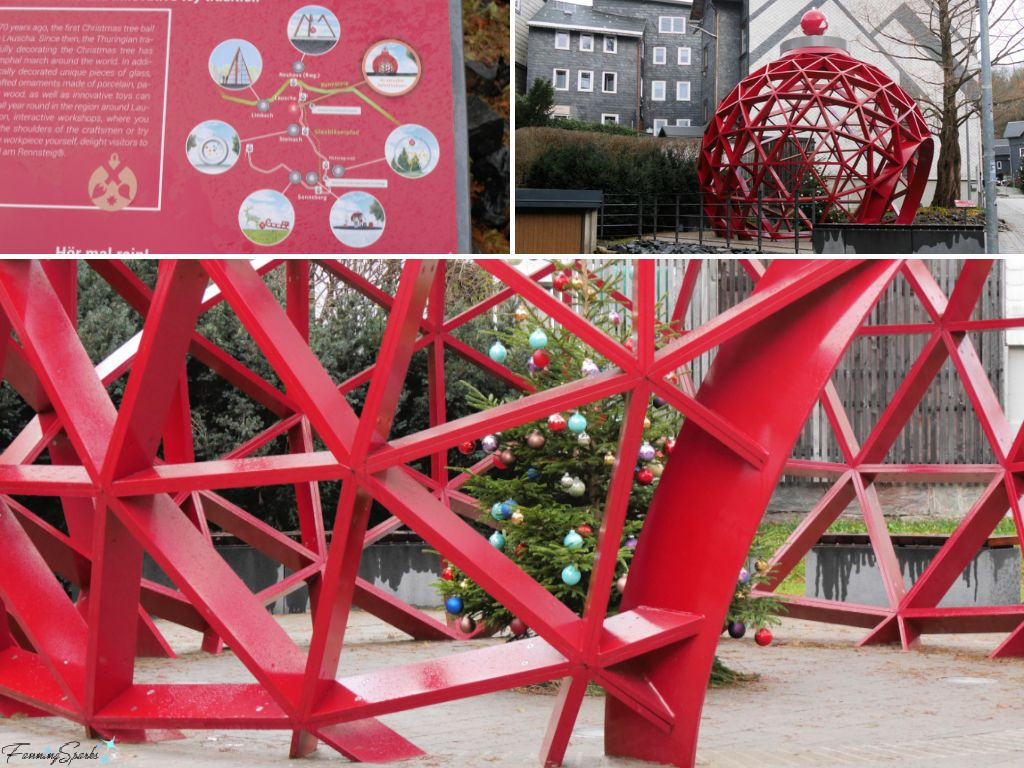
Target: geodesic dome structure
pixel 122 494
pixel 815 136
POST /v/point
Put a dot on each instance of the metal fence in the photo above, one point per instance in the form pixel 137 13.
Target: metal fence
pixel 684 218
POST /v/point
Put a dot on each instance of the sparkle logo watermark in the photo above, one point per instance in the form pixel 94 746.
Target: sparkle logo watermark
pixel 69 753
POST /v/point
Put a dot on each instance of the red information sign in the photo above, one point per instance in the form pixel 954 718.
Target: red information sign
pixel 240 126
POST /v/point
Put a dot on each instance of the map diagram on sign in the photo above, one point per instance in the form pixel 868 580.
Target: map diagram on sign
pixel 288 127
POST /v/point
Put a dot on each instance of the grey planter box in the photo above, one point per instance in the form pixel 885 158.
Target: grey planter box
pixel 405 569
pixel 923 239
pixel 843 567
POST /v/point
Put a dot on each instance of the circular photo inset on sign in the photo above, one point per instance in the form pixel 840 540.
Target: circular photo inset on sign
pixel 412 151
pixel 314 30
pixel 213 147
pixel 357 219
pixel 266 217
pixel 236 65
pixel 391 68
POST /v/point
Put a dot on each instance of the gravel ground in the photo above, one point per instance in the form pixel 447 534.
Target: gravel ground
pixel 820 701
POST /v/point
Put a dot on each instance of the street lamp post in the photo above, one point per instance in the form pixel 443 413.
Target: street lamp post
pixel 988 137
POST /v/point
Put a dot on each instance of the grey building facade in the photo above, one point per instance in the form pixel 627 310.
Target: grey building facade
pixel 1001 149
pixel 524 11
pixel 633 63
pixel 1014 135
pixel 724 49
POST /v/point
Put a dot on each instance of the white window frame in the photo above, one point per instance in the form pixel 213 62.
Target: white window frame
pixel 1020 152
pixel 662 58
pixel 679 55
pixel 615 82
pixel 614 47
pixel 654 89
pixel 999 165
pixel 671 25
pixel 579 80
pixel 606 115
pixel 659 123
pixel 562 35
pixel 554 79
pixel 519 8
pixel 689 90
pixel 683 122
pixel 589 38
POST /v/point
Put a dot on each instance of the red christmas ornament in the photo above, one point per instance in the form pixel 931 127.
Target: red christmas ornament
pixel 670 444
pixel 498 463
pixel 659 454
pixel 560 281
pixel 645 476
pixel 467 447
pixel 517 627
pixel 541 358
pixel 584 530
pixel 520 548
pixel 763 636
pixel 556 422
pixel 447 574
pixel 629 344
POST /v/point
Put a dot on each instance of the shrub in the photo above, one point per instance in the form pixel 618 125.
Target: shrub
pixel 533 108
pixel 555 159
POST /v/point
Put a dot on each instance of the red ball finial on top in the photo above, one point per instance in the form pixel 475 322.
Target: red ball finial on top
pixel 814 22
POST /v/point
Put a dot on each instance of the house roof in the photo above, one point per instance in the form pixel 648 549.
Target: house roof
pixel 1001 146
pixel 1014 129
pixel 586 19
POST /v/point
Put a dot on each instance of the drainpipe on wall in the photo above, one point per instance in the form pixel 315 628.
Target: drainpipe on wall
pixel 639 83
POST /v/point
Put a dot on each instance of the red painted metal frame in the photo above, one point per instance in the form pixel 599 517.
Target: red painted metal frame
pixel 818 123
pixel 76 660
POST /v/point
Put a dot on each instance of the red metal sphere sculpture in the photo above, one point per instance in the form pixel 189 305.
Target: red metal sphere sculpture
pixel 815 136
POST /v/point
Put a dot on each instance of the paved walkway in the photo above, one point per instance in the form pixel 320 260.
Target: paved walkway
pixel 819 702
pixel 1011 210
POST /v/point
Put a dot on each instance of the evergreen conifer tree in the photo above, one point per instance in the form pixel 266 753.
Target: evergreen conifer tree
pixel 543 500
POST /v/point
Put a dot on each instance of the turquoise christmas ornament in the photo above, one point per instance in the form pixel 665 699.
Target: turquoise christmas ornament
pixel 577 422
pixel 498 352
pixel 571 575
pixel 498 539
pixel 538 339
pixel 572 540
pixel 453 605
pixel 501 511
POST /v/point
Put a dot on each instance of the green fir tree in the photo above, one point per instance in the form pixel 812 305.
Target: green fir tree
pixel 544 509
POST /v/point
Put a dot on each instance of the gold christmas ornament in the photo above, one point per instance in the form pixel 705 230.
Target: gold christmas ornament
pixel 609 458
pixel 647 423
pixel 577 282
pixel 656 468
pixel 517 518
pixel 761 566
pixel 521 313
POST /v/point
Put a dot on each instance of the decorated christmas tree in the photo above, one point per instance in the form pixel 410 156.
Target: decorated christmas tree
pixel 543 499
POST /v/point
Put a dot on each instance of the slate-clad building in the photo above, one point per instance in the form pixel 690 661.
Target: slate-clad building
pixel 1014 135
pixel 628 62
pixel 525 10
pixel 1002 157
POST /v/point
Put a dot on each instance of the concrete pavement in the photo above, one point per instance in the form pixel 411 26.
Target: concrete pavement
pixel 1011 210
pixel 820 701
